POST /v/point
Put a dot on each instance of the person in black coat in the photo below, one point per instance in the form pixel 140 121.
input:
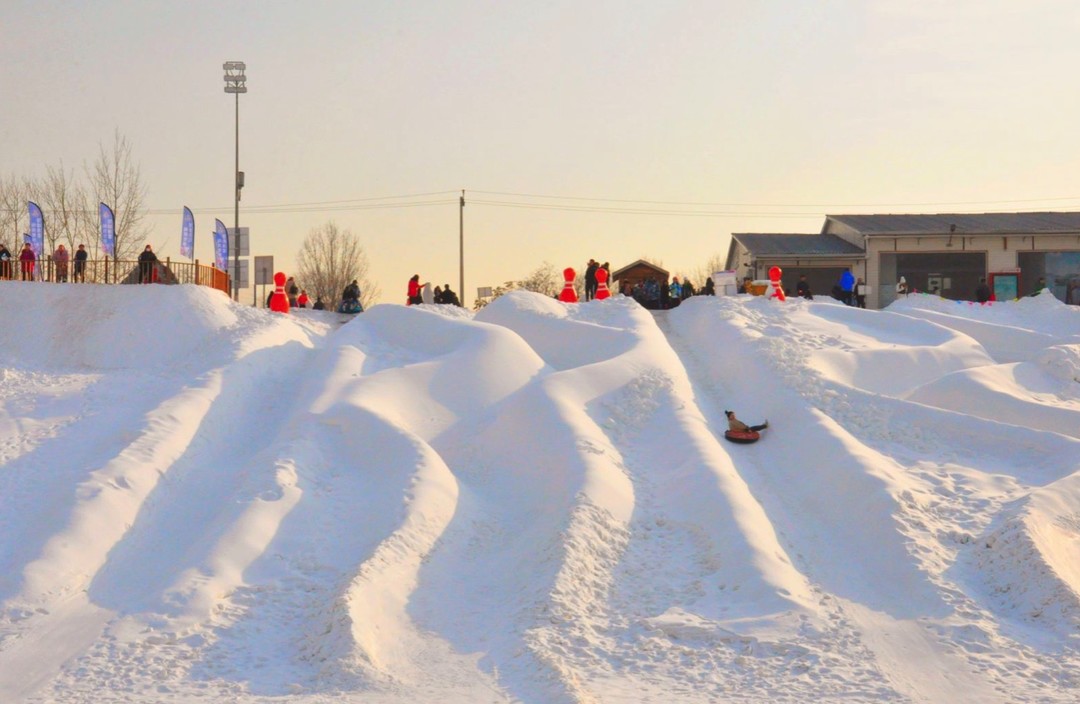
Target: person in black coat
pixel 292 291
pixel 81 255
pixel 982 292
pixel 803 288
pixel 319 305
pixel 449 297
pixel 590 279
pixel 147 260
pixel 5 263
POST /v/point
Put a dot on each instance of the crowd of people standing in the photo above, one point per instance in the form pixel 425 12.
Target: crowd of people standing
pixel 28 264
pixel 651 294
pixel 420 293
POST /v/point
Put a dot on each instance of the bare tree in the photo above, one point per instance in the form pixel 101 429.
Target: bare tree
pixel 14 217
pixel 544 279
pixel 329 260
pixel 116 180
pixel 65 202
pixel 16 194
pixel 714 264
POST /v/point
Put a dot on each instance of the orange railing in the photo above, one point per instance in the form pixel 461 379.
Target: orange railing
pixel 119 271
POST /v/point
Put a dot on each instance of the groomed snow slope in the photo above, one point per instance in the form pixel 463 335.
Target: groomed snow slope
pixel 200 501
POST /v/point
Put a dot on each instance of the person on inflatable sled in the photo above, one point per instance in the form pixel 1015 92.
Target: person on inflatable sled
pixel 741 432
pixel 350 299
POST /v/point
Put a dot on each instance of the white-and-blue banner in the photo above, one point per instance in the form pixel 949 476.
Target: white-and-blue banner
pixel 108 230
pixel 221 246
pixel 187 235
pixel 37 229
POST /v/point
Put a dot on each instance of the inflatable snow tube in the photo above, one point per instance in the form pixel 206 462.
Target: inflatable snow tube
pixel 744 437
pixel 350 307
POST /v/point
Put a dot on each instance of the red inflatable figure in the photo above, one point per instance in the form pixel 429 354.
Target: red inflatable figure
pixel 601 284
pixel 776 290
pixel 568 294
pixel 279 302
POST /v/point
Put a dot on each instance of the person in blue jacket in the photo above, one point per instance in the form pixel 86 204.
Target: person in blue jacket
pixel 847 285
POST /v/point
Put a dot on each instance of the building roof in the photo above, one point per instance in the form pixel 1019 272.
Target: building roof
pixel 980 223
pixel 640 262
pixel 802 245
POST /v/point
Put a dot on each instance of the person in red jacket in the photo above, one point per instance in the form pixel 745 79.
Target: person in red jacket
pixel 302 299
pixel 26 262
pixel 414 290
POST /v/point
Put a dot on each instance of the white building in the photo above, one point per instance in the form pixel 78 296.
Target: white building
pixel 947 254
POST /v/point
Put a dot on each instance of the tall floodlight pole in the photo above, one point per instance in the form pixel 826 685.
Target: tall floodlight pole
pixel 236 83
pixel 461 246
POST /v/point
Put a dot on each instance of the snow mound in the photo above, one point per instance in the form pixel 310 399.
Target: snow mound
pixel 567 335
pixel 117 327
pixel 1063 362
pixel 201 501
pixel 1029 562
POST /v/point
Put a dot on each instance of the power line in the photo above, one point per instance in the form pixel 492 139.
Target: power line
pixel 345 204
pixel 637 211
pixel 271 209
pixel 584 204
pixel 823 206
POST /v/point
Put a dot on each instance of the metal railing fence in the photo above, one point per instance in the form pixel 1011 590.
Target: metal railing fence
pixel 117 271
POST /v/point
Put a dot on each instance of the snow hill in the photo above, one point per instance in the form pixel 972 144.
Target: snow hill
pixel 204 502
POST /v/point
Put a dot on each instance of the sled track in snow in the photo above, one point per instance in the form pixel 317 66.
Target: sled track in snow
pixel 952 619
pixel 172 598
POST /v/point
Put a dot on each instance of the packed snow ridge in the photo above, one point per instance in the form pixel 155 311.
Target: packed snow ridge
pixel 205 502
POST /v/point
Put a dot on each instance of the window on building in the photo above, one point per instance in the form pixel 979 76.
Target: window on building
pixel 1060 270
pixel 952 275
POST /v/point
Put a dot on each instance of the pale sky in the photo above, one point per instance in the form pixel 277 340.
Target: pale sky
pixel 767 114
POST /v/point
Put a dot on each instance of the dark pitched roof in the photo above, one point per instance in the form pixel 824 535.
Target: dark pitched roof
pixel 639 262
pixel 969 223
pixel 789 244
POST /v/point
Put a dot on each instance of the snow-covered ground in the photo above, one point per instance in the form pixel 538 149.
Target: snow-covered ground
pixel 204 502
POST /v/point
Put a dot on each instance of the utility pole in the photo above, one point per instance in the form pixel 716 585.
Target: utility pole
pixel 236 83
pixel 461 247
